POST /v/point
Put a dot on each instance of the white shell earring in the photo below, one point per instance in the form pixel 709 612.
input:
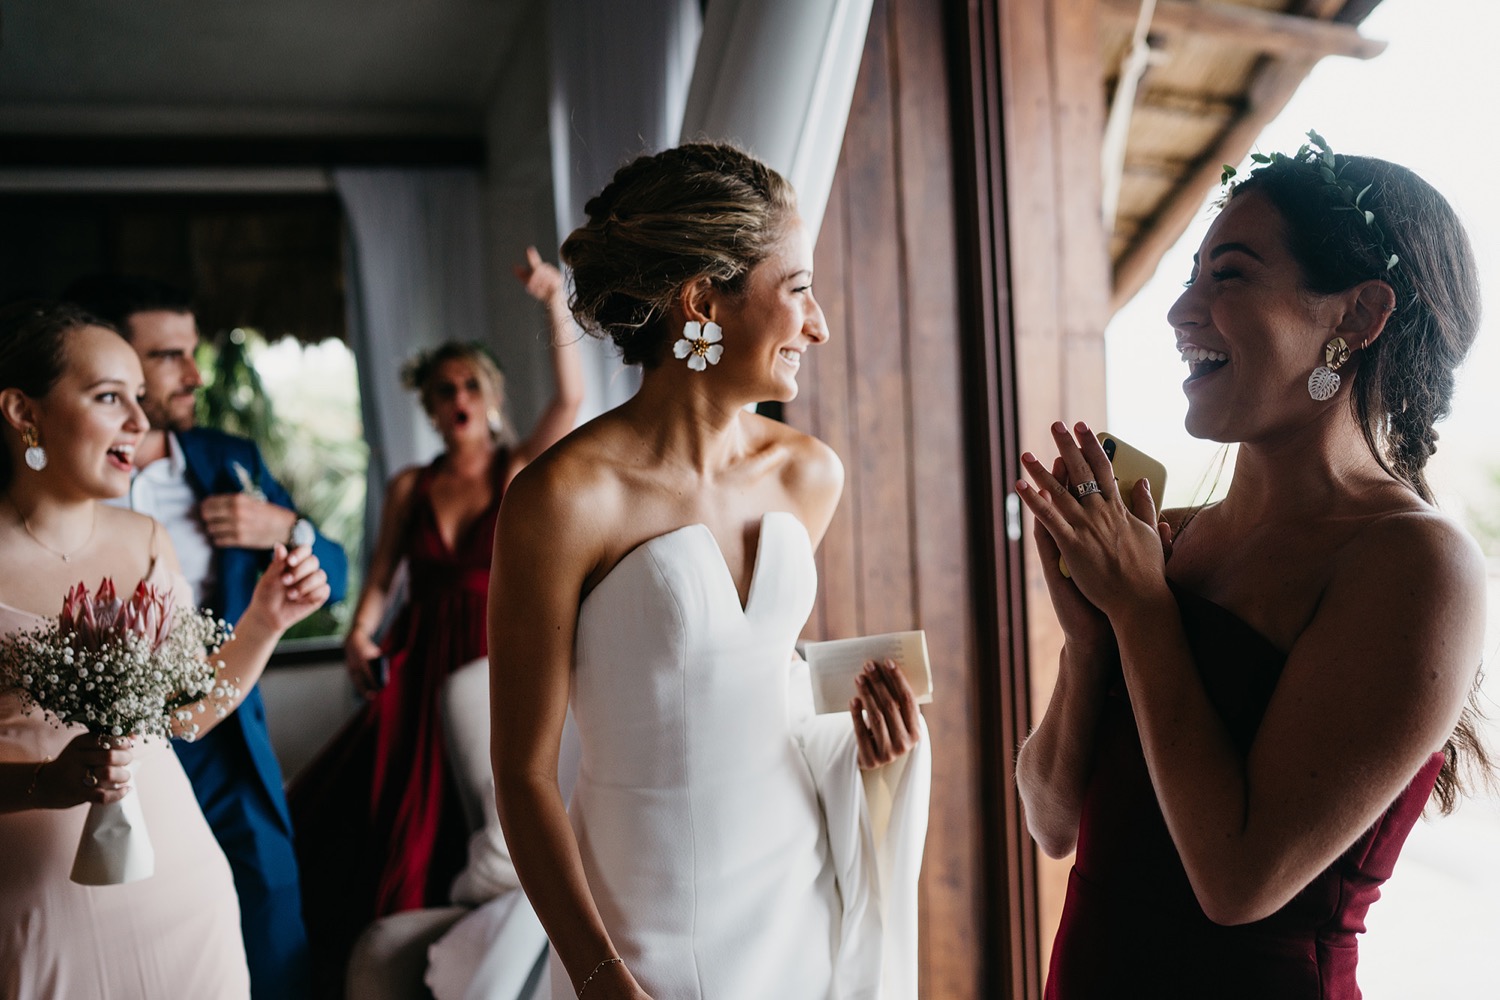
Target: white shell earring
pixel 1324 380
pixel 36 455
pixel 700 344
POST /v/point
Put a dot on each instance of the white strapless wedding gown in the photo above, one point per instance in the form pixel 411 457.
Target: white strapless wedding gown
pixel 724 828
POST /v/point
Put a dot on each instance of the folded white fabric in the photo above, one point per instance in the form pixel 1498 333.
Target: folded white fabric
pixel 489 954
pixel 466 729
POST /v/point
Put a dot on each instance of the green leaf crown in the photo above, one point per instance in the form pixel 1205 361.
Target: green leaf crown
pixel 1316 155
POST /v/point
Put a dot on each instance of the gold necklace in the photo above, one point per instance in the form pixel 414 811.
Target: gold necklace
pixel 64 556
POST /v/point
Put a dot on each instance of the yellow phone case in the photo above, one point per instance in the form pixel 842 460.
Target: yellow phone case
pixel 1131 465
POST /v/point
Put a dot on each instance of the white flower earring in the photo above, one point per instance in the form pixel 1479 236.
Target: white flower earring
pixel 700 344
pixel 36 455
pixel 1324 381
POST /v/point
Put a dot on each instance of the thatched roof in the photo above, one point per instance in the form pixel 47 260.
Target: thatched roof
pixel 1211 75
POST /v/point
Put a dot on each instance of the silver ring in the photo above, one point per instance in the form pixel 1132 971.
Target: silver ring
pixel 90 778
pixel 1084 489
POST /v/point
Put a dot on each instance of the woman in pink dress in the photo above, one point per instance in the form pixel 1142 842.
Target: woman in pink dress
pixel 69 421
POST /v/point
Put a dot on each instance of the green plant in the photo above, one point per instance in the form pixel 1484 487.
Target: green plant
pixel 312 441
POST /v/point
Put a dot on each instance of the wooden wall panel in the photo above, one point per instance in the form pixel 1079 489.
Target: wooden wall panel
pixel 960 845
pixel 962 266
pixel 823 410
pixel 1052 104
pixel 888 392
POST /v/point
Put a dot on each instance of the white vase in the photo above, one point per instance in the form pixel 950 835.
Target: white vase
pixel 115 847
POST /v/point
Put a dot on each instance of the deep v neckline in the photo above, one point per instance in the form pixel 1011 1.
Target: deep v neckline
pixel 724 573
pixel 497 473
pixel 734 586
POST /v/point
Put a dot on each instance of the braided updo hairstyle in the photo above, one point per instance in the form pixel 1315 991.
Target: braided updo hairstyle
pixel 1405 379
pixel 701 210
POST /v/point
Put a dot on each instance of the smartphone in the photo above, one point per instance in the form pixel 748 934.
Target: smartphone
pixel 1131 465
pixel 380 670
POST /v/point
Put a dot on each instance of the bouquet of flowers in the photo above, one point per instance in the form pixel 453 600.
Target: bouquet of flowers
pixel 120 668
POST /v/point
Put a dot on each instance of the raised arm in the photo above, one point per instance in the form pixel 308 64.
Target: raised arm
pixel 546 544
pixel 292 587
pixel 359 645
pixel 544 282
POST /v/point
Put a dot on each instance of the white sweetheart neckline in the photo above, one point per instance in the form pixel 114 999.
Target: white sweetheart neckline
pixel 727 575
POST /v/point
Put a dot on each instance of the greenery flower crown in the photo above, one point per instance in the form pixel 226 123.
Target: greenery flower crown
pixel 1316 155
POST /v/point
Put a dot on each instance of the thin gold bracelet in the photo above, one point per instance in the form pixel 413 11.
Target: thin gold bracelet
pixel 36 776
pixel 590 979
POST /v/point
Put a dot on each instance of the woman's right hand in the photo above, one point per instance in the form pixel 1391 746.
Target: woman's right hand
pixel 359 651
pixel 85 771
pixel 1086 629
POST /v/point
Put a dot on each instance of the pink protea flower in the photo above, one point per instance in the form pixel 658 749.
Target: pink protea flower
pixel 148 614
pixel 91 622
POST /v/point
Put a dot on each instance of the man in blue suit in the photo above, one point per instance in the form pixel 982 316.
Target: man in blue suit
pixel 224 511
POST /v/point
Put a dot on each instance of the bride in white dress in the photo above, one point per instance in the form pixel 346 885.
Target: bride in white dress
pixel 655 568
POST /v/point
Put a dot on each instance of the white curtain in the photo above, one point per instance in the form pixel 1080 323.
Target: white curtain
pixel 620 76
pixel 416 279
pixel 776 77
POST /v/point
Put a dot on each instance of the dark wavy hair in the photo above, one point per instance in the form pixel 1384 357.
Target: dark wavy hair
pixel 117 297
pixel 701 210
pixel 1404 381
pixel 34 351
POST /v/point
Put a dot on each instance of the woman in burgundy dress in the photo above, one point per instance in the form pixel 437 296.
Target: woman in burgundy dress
pixel 380 828
pixel 1242 735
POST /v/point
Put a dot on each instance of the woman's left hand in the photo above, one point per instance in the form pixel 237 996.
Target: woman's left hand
pixel 292 587
pixel 885 715
pixel 1112 545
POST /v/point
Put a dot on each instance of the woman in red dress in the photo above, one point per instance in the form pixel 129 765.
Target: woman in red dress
pixel 1242 735
pixel 380 827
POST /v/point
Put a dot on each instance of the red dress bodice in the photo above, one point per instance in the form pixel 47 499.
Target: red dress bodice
pixel 1131 925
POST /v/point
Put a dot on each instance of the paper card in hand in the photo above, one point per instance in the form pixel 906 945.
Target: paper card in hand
pixel 835 664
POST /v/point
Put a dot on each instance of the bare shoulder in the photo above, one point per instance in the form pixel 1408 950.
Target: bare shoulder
pixel 138 534
pixel 574 487
pixel 810 471
pixel 403 485
pixel 1419 550
pixel 126 526
pixel 405 481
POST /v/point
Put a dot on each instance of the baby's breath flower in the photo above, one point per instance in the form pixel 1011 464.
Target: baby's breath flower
pixel 143 664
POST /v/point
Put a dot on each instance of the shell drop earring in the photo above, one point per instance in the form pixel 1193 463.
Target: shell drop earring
pixel 1324 381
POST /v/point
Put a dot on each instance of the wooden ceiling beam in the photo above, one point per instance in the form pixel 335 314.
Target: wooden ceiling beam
pixel 1182 104
pixel 1272 88
pixel 1266 31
